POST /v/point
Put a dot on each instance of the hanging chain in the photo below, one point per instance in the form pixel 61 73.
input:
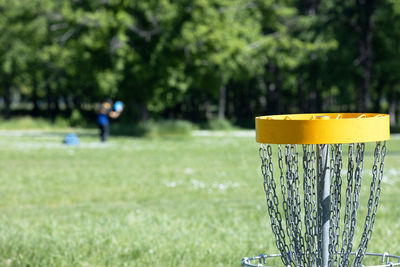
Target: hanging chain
pixel 319 206
pixel 373 201
pixel 285 191
pixel 332 210
pixel 338 194
pixel 294 204
pixel 336 165
pixel 349 194
pixel 267 170
pixel 352 201
pixel 356 199
pixel 310 208
pixel 298 222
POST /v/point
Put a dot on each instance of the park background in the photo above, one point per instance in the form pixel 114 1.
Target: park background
pixel 198 60
pixel 165 190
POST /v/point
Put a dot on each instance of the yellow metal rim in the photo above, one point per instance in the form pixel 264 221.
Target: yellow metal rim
pixel 323 128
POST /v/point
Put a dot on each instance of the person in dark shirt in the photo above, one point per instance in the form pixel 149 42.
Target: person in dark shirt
pixel 105 111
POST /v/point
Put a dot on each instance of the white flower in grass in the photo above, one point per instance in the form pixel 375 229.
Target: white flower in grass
pixel 170 184
pixel 391 176
pixel 188 171
pixel 197 184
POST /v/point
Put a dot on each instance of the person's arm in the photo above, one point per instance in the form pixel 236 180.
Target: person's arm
pixel 114 114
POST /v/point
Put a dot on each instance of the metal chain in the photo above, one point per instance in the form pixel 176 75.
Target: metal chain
pixel 298 222
pixel 332 210
pixel 349 194
pixel 294 203
pixel 320 211
pixel 346 247
pixel 356 199
pixel 375 191
pixel 338 194
pixel 289 198
pixel 285 190
pixel 292 213
pixel 267 170
pixel 336 185
pixel 310 208
pixel 314 197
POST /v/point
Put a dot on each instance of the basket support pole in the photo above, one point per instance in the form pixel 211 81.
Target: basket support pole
pixel 324 201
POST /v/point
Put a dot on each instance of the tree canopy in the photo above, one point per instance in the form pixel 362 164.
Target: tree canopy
pixel 200 59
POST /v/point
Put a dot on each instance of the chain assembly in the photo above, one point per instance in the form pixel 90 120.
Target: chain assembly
pixel 296 213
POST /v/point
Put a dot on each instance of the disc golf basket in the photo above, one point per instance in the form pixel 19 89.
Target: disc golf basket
pixel 313 198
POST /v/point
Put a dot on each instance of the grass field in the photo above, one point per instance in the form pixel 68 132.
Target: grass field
pixel 193 201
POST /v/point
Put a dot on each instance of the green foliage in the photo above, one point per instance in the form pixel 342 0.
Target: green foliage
pixel 167 128
pixel 123 128
pixel 29 123
pixel 170 128
pixel 25 123
pixel 76 119
pixel 153 129
pixel 60 122
pixel 218 124
pixel 163 57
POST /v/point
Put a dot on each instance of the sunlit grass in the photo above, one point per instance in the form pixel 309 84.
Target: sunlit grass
pixel 194 201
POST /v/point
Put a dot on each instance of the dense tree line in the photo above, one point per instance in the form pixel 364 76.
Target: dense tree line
pixel 199 59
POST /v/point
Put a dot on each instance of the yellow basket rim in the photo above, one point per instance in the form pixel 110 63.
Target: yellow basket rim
pixel 322 128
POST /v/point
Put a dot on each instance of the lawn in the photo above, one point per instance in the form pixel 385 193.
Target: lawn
pixel 190 201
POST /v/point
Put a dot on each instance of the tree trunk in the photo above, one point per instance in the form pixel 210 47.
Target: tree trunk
pixel 313 103
pixel 392 98
pixel 262 98
pixel 300 94
pixel 193 108
pixel 7 99
pixel 49 103
pixel 319 103
pixel 274 89
pixel 56 106
pixel 316 95
pixel 35 99
pixel 230 98
pixel 377 99
pixel 65 100
pixel 68 105
pixel 77 102
pixel 144 112
pixel 277 97
pixel 207 110
pixel 222 102
pixel 366 23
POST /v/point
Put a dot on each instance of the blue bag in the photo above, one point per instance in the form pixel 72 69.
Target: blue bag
pixel 71 139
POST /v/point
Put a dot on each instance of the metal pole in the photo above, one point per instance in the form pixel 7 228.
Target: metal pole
pixel 324 201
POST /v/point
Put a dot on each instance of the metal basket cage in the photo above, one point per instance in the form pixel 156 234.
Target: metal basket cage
pixel 313 200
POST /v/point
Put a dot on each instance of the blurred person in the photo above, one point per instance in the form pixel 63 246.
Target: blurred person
pixel 104 111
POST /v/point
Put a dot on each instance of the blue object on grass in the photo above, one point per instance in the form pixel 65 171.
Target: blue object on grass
pixel 71 139
pixel 118 106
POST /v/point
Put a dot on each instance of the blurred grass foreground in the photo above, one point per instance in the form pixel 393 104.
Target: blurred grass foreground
pixel 195 201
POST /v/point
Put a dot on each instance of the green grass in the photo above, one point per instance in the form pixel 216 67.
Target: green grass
pixel 192 201
pixel 28 122
pixel 150 128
